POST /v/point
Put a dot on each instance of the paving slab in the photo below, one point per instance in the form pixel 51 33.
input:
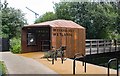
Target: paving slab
pixel 17 64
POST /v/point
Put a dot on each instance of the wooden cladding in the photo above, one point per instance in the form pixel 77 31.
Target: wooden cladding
pixel 72 38
pixel 62 32
pixel 55 33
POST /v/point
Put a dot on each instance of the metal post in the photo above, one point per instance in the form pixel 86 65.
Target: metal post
pixel 114 59
pixel 108 69
pixel 85 64
pixel 62 56
pixel 74 67
pixel 117 67
pixel 85 67
pixel 53 58
pixel 56 52
pixel 83 60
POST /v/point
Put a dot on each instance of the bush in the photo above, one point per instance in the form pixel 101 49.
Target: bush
pixel 3 69
pixel 49 53
pixel 15 45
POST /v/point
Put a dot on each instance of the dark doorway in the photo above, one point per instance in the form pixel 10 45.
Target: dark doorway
pixel 39 37
pixel 43 38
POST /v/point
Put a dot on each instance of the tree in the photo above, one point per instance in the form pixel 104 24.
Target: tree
pixel 46 17
pixel 118 18
pixel 12 21
pixel 99 19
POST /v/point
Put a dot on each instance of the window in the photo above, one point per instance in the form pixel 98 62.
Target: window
pixel 31 39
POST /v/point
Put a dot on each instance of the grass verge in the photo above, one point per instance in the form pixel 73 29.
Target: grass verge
pixel 3 70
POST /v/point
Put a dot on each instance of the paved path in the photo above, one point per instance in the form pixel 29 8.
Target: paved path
pixel 67 66
pixel 21 65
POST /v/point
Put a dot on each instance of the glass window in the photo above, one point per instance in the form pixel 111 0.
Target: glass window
pixel 31 39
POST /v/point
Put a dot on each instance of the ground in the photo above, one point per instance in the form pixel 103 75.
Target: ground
pixel 17 64
pixel 67 66
pixel 33 63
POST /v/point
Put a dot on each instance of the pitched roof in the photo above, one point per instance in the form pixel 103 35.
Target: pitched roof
pixel 57 23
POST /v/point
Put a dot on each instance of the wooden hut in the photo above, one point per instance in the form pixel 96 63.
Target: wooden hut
pixel 56 33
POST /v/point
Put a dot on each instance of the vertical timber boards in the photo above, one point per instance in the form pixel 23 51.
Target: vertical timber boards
pixel 72 38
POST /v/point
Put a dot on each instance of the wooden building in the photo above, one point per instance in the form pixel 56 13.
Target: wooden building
pixel 56 33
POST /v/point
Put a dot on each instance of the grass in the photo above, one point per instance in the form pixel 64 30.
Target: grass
pixel 2 68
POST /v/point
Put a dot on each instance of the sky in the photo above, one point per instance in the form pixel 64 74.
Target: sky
pixel 38 6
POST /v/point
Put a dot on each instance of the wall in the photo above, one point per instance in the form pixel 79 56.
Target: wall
pixel 72 38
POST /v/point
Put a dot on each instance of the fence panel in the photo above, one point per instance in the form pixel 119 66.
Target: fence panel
pixel 96 46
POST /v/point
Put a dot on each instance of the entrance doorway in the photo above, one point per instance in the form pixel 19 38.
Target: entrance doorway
pixel 43 38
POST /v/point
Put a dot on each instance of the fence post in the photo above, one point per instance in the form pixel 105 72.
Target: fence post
pixel 104 45
pixel 97 46
pixel 115 42
pixel 110 46
pixel 90 47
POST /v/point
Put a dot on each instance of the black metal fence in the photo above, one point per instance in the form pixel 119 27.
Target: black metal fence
pixel 4 44
pixel 96 46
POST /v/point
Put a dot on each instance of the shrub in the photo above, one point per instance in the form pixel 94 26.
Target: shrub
pixel 49 53
pixel 15 45
pixel 3 69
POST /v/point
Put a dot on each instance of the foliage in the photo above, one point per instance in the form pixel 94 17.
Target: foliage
pixel 47 54
pixel 15 44
pixel 2 68
pixel 99 19
pixel 118 18
pixel 50 53
pixel 46 17
pixel 12 21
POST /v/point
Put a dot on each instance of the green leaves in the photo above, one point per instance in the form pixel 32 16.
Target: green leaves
pixel 99 19
pixel 15 44
pixel 12 21
pixel 46 17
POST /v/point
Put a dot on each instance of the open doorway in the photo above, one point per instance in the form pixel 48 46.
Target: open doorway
pixel 39 37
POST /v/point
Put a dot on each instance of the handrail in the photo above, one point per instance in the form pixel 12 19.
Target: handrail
pixel 84 62
pixel 109 62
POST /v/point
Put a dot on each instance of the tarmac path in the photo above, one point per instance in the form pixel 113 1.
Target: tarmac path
pixel 21 65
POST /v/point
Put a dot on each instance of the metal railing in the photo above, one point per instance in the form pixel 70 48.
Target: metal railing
pixel 117 65
pixel 83 63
